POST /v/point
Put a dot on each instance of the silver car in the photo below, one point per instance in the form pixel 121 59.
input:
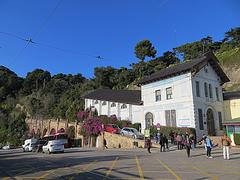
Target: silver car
pixel 131 132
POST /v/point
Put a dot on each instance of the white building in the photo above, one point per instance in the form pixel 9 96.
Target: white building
pixel 186 95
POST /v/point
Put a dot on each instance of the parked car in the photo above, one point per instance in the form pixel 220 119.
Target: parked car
pixel 8 147
pixel 53 146
pixel 131 132
pixel 37 147
pixel 112 128
pixel 28 144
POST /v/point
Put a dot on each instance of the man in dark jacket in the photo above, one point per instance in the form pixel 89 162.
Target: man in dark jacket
pixel 161 142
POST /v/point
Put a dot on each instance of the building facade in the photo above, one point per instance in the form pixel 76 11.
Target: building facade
pixel 185 95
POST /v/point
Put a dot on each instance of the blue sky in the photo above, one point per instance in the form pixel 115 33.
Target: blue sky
pixel 111 29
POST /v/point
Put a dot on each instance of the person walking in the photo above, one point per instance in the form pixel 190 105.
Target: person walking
pixel 209 146
pixel 105 143
pixel 161 142
pixel 188 144
pixel 148 144
pixel 226 143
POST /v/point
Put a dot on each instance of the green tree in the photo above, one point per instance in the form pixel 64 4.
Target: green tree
pixel 35 80
pixel 144 49
pixel 233 36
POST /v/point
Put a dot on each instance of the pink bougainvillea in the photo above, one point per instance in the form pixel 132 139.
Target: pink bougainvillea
pixel 81 115
pixel 92 126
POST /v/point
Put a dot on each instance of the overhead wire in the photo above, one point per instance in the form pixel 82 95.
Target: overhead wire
pixel 38 32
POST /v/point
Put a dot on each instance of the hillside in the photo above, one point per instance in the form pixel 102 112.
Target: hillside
pixel 230 61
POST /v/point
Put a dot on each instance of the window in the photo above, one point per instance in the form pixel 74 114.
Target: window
pixel 169 93
pixel 113 105
pixel 200 119
pixel 123 106
pixel 197 89
pixel 220 120
pixel 210 91
pixel 96 102
pixel 217 95
pixel 170 116
pixel 104 103
pixel 206 89
pixel 158 95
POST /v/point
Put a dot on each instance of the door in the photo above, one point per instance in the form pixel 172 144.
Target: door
pixel 210 122
pixel 148 120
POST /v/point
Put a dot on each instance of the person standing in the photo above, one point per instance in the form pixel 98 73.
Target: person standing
pixel 161 142
pixel 209 146
pixel 179 141
pixel 165 141
pixel 187 144
pixel 148 144
pixel 192 138
pixel 226 143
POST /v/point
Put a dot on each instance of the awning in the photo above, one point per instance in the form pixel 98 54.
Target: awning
pixel 232 122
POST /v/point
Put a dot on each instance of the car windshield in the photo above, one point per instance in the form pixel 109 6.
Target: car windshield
pixel 114 126
pixel 135 131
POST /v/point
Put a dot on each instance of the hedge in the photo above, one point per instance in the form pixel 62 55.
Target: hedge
pixel 236 138
pixel 165 130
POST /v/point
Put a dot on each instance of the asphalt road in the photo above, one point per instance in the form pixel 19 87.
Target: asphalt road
pixel 97 164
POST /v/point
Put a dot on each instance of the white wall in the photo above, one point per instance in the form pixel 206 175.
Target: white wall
pixel 208 75
pixel 182 100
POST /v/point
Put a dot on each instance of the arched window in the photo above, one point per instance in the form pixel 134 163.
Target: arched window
pixel 96 102
pixel 148 120
pixel 123 106
pixel 113 104
pixel 104 103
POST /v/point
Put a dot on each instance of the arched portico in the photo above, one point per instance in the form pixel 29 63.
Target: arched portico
pixel 148 120
pixel 210 122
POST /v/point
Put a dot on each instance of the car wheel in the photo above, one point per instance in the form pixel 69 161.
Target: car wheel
pixel 133 136
pixel 122 134
pixel 49 152
pixel 23 150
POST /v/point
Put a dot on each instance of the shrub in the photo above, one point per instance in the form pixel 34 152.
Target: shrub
pixel 236 138
pixel 136 126
pixel 167 130
pixel 123 123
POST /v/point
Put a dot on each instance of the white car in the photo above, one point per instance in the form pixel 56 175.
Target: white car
pixel 6 147
pixel 28 144
pixel 53 146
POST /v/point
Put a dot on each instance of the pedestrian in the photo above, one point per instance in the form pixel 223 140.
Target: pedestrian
pixel 171 135
pixel 148 144
pixel 179 141
pixel 226 143
pixel 209 146
pixel 161 142
pixel 188 144
pixel 193 142
pixel 183 141
pixel 105 143
pixel 165 141
pixel 203 140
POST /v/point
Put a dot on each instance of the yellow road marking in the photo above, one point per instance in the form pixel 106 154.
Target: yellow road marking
pixel 169 169
pixel 89 165
pixel 111 168
pixel 205 173
pixel 139 168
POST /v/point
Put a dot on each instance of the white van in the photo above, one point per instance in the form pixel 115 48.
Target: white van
pixel 53 146
pixel 28 144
